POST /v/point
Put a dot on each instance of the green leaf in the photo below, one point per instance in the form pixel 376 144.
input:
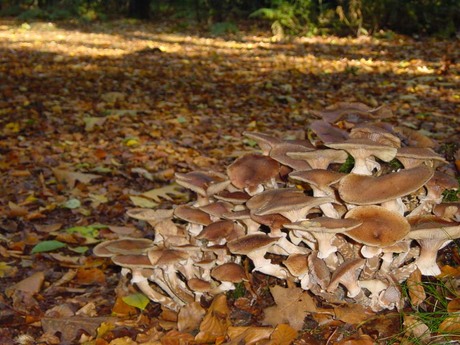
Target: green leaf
pixel 89 231
pixel 80 249
pixel 138 300
pixel 47 246
pixel 72 203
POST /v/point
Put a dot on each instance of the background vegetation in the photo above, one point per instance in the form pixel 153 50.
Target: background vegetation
pixel 299 17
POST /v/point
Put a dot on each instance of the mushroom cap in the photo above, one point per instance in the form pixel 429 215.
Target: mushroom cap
pixel 229 272
pixel 428 226
pixel 150 215
pixel 250 243
pixel 265 141
pixel 124 246
pixel 318 270
pixel 268 196
pixel 326 156
pixel 353 112
pixel 421 154
pixel 204 183
pixel 449 210
pixel 297 264
pixel 375 133
pixel 279 153
pixel 252 169
pixel 365 148
pixel 346 271
pixel 199 285
pixel 217 209
pixel 220 230
pixel 192 215
pixel 132 261
pixel 275 220
pixel 319 178
pixel 365 190
pixel 441 182
pixel 380 227
pixel 325 224
pixel 236 198
pixel 328 133
pixel 166 257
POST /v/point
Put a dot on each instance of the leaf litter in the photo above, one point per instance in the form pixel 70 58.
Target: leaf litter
pixel 91 131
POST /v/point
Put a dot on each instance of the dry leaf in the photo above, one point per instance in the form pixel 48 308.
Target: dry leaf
pixel 416 328
pixel 175 337
pixel 283 335
pixel 454 305
pixel 352 313
pixel 31 285
pixel 292 305
pixel 190 317
pixel 357 340
pixel 215 322
pixel 451 324
pixel 416 291
pixel 248 335
pixel 164 193
pixel 71 177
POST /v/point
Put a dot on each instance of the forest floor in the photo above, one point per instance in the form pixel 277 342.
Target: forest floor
pixel 92 116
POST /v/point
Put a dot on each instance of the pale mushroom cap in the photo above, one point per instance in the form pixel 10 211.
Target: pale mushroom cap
pixel 375 133
pixel 165 257
pixel 251 170
pixel 365 190
pixel 123 246
pixel 325 224
pixel 360 148
pixel 199 285
pixel 380 226
pixel 201 181
pixel 422 154
pixel 192 215
pixel 320 158
pixel 250 243
pixel 229 272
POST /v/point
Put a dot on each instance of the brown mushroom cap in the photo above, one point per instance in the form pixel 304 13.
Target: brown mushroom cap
pixel 229 272
pixel 279 153
pixel 364 190
pixel 199 285
pixel 320 178
pixel 204 183
pixel 380 227
pixel 447 210
pixel 220 230
pixel 353 112
pixel 375 133
pixel 192 215
pixel 249 243
pixel 251 170
pixel 413 156
pixel 123 246
pixel 132 261
pixel 235 198
pixel 320 159
pixel 347 274
pixel 359 148
pixel 265 141
pixel 297 264
pixel 166 257
pixel 432 227
pixel 325 224
pixel 217 209
pixel 328 133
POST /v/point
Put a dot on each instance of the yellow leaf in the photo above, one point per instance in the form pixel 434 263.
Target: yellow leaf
pixel 165 192
pixel 132 142
pixel 283 335
pixel 352 313
pixel 13 127
pixel 248 335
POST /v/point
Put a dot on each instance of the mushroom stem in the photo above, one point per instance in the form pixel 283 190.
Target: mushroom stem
pixel 426 262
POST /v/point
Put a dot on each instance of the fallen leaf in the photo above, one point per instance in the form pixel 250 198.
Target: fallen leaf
pixel 71 177
pixel 248 335
pixel 164 193
pixel 283 335
pixel 47 246
pixel 90 276
pixel 31 285
pixel 352 313
pixel 142 202
pixel 138 300
pixel 175 337
pixel 292 305
pixel 215 322
pixel 363 339
pixel 190 317
pixel 416 291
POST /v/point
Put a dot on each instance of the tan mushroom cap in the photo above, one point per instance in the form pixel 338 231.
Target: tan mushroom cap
pixel 375 133
pixel 235 198
pixel 217 209
pixel 432 227
pixel 353 112
pixel 132 261
pixel 192 215
pixel 328 133
pixel 439 183
pixel 220 230
pixel 150 215
pixel 204 183
pixel 320 159
pixel 319 178
pixel 166 257
pixel 279 153
pixel 268 196
pixel 123 246
pixel 325 224
pixel 297 264
pixel 265 141
pixel 199 285
pixel 365 147
pixel 229 272
pixel 347 274
pixel 364 190
pixel 380 227
pixel 251 170
pixel 447 210
pixel 249 243
pixel 413 156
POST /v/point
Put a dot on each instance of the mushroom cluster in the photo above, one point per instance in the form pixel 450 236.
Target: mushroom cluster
pixel 340 235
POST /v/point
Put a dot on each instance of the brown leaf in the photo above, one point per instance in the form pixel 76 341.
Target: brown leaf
pixel 416 291
pixel 357 340
pixel 71 177
pixel 30 285
pixel 451 324
pixel 292 305
pixel 416 328
pixel 90 276
pixel 175 337
pixel 352 313
pixel 190 317
pixel 248 335
pixel 69 327
pixel 215 322
pixel 283 335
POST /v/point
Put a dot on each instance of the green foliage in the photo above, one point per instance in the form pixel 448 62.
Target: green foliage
pixel 291 16
pixel 223 28
pixel 348 165
pixel 47 246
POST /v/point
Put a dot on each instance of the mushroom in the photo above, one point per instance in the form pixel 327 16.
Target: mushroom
pixel 375 133
pixel 244 216
pixel 254 247
pixel 375 287
pixel 353 112
pixel 199 287
pixel 228 274
pixel 320 181
pixel 204 183
pixel 195 217
pixel 279 153
pixel 320 159
pixel 431 233
pixel 123 246
pixel 319 273
pixel 265 141
pixel 386 189
pixel 297 265
pixel 363 151
pixel 328 133
pixel 251 171
pixel 217 209
pixel 347 275
pixel 448 210
pixel 411 157
pixel 379 227
pixel 141 270
pixel 221 231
